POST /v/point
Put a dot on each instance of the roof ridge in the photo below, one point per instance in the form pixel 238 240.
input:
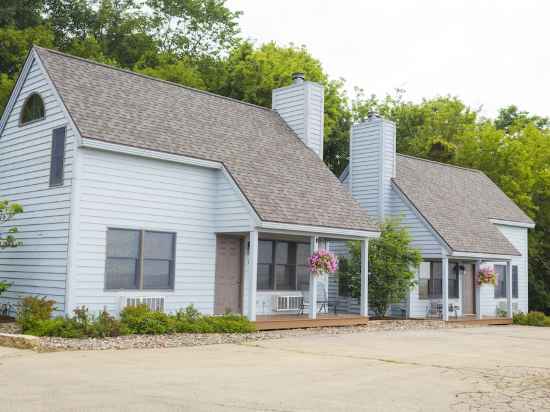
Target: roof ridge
pixel 145 76
pixel 470 169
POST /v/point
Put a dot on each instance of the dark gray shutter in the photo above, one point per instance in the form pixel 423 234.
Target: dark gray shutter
pixel 58 156
pixel 515 285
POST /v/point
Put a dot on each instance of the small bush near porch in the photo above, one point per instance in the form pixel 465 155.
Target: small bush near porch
pixel 34 317
pixel 392 263
pixel 532 319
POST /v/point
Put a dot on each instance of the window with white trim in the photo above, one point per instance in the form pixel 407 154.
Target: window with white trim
pixel 33 110
pixel 140 260
pixel 282 265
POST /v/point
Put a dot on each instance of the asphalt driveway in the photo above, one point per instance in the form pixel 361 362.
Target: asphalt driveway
pixel 491 368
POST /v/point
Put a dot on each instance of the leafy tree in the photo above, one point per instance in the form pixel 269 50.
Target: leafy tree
pixel 392 263
pixel 7 211
pixel 194 27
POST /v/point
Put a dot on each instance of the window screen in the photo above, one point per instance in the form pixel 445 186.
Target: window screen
pixel 123 256
pixel 282 265
pixel 33 109
pixel 57 156
pixel 158 260
pixel 140 259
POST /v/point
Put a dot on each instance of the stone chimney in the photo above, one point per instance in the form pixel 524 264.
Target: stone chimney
pixel 372 163
pixel 301 105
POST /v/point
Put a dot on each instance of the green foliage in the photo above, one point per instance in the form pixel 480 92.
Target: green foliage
pixel 4 286
pixel 140 320
pixel 33 310
pixel 392 263
pixel 7 212
pixel 532 319
pixel 35 319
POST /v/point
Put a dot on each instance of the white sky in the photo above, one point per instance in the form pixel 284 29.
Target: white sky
pixel 487 52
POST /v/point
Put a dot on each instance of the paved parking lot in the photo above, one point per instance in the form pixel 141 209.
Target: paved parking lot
pixel 489 368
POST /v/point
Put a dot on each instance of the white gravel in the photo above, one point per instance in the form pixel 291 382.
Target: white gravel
pixel 48 344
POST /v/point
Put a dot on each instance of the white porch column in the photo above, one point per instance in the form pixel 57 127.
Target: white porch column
pixel 364 277
pixel 445 286
pixel 253 274
pixel 477 291
pixel 314 247
pixel 509 288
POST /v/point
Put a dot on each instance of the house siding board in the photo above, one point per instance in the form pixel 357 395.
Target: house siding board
pixel 517 236
pixel 301 106
pixel 117 190
pixel 231 213
pixel 39 267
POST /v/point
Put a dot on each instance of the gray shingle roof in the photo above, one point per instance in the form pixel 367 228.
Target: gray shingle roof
pixel 283 180
pixel 459 203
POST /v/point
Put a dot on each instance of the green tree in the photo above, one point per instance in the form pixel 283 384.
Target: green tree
pixel 392 267
pixel 8 210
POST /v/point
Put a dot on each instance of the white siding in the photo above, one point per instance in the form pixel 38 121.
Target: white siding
pixel 301 105
pixel 39 267
pixel 231 212
pixel 422 237
pixel 365 167
pixel 118 190
pixel 372 164
pixel 517 237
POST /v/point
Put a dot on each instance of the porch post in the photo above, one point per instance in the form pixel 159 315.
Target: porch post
pixel 314 247
pixel 445 286
pixel 364 277
pixel 477 291
pixel 509 288
pixel 253 274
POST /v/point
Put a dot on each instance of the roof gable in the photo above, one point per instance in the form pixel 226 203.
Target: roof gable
pixel 459 204
pixel 283 180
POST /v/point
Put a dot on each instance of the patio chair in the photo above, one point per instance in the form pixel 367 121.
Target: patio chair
pixel 434 310
pixel 322 300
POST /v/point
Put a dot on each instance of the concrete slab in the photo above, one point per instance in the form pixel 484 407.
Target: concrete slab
pixel 491 368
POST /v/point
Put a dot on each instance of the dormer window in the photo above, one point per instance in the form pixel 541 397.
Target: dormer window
pixel 33 109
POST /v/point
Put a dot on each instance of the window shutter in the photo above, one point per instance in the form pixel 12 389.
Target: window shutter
pixel 515 284
pixel 58 156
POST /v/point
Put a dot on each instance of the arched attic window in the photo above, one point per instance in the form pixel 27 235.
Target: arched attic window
pixel 33 109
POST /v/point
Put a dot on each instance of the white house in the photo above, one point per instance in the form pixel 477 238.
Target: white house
pixel 140 189
pixel 458 218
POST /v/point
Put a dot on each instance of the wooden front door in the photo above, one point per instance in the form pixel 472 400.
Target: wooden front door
pixel 228 275
pixel 469 290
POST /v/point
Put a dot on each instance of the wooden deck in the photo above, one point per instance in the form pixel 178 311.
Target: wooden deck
pixel 482 321
pixel 276 322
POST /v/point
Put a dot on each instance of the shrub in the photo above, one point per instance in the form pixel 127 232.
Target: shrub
pixel 535 318
pixel 532 319
pixel 3 287
pixel 33 309
pixel 137 320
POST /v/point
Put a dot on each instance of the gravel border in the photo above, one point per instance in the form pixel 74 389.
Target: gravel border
pixel 48 344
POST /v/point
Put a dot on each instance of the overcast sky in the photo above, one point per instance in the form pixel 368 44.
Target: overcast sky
pixel 489 53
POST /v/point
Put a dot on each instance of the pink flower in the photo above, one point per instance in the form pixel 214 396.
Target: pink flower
pixel 322 261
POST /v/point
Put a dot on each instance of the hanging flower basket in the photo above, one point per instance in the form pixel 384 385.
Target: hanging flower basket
pixel 486 276
pixel 322 262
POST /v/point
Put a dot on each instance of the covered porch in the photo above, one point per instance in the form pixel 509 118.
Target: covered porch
pixel 264 275
pixel 448 289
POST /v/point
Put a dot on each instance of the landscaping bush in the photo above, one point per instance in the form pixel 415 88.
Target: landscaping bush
pixel 35 320
pixel 532 319
pixel 33 310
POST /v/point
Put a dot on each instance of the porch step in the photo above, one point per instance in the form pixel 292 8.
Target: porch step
pixel 295 322
pixel 483 322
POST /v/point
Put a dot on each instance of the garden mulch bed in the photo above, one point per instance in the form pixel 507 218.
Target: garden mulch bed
pixel 47 344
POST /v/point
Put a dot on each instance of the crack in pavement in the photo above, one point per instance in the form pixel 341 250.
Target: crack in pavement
pixel 510 387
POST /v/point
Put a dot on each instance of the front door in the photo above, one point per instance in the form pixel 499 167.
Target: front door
pixel 469 290
pixel 228 275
